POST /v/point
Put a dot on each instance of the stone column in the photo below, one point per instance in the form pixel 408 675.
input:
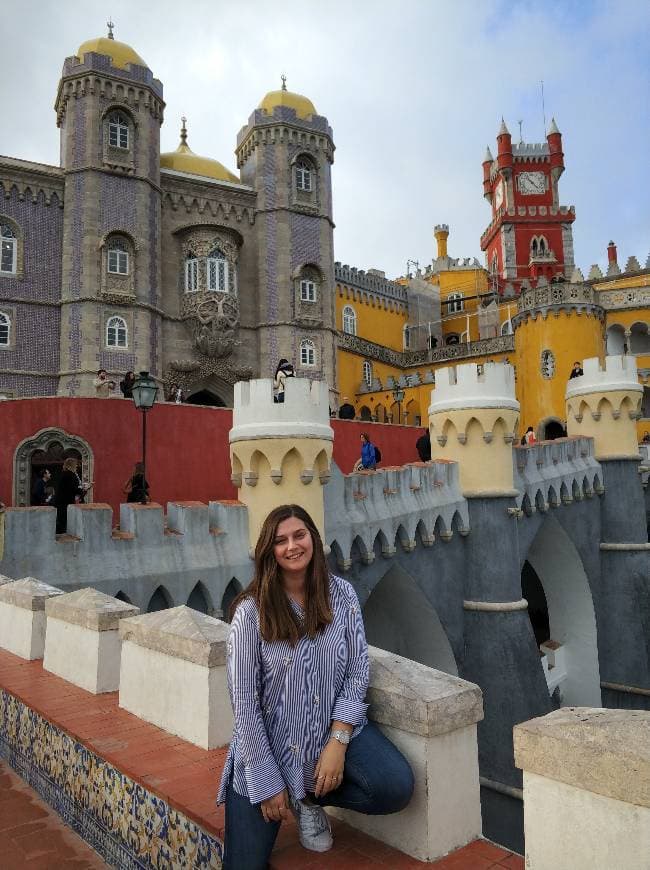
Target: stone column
pixel 173 674
pixel 82 643
pixel 431 717
pixel 473 419
pixel 604 404
pixel 586 789
pixel 281 452
pixel 22 616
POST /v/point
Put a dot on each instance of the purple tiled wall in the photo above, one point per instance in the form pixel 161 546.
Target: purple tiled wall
pixel 305 240
pixel 118 205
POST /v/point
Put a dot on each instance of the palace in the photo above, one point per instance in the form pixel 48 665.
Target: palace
pixel 124 257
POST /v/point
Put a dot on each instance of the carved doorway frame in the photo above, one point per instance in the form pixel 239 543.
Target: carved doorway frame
pixel 40 441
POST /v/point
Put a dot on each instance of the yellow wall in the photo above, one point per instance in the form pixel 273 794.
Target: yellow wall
pixel 570 337
pixel 374 322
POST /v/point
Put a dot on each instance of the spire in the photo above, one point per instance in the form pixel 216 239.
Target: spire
pixel 110 26
pixel 183 131
pixel 488 155
pixel 503 129
pixel 553 128
pixel 284 82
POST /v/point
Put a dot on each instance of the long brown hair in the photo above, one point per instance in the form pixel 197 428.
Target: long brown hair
pixel 278 620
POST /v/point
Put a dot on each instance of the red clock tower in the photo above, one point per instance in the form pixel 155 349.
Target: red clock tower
pixel 530 232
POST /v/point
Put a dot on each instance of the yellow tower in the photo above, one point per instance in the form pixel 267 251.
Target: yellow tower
pixel 280 453
pixel 556 325
pixel 441 232
pixel 472 420
pixel 604 404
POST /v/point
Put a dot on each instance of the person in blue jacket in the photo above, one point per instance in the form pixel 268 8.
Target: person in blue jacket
pixel 368 454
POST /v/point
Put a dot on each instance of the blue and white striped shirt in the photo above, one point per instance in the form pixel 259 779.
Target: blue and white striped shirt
pixel 284 698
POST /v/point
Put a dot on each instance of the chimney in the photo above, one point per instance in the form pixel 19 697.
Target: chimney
pixel 611 253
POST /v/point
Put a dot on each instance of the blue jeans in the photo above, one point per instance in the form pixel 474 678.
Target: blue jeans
pixel 377 779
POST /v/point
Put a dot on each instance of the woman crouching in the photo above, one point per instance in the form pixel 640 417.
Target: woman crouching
pixel 298 675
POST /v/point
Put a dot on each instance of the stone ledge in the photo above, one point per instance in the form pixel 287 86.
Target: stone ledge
pixel 89 608
pixel 415 698
pixel 606 752
pixel 179 632
pixel 28 593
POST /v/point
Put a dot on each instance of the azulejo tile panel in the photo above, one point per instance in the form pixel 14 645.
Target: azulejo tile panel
pixel 130 827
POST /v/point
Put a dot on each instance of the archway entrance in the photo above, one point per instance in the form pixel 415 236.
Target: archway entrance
pixel 399 617
pixel 206 397
pixel 561 607
pixel 551 428
pixel 48 449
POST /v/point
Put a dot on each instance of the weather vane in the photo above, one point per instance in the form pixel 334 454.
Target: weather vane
pixel 284 82
pixel 110 26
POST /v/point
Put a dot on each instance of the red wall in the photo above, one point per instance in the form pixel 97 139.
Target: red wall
pixel 187 445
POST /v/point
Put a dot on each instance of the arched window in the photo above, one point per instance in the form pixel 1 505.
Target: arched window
pixel 533 248
pixel 116 332
pixel 506 327
pixel 406 337
pixel 349 320
pixel 191 274
pixel 542 245
pixel 9 251
pixel 118 257
pixel 455 303
pixel 367 373
pixel 218 273
pixel 307 353
pixel 118 130
pixel 5 330
pixel 304 175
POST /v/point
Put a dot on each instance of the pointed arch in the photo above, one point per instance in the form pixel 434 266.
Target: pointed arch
pixel 200 599
pixel 231 592
pixel 160 600
pixel 122 596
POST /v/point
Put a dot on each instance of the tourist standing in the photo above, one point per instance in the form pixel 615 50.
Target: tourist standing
pixel 69 490
pixel 284 370
pixel 298 675
pixel 40 496
pixel 368 460
pixel 103 387
pixel 576 371
pixel 346 411
pixel 136 487
pixel 529 437
pixel 126 385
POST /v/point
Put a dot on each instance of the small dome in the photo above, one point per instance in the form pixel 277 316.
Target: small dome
pixel 185 160
pixel 303 107
pixel 121 53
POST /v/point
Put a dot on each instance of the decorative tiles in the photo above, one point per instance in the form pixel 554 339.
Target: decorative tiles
pixel 129 826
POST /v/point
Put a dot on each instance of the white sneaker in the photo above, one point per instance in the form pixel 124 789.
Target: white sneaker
pixel 313 826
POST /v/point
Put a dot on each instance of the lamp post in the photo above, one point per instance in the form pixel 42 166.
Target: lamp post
pixel 144 392
pixel 398 396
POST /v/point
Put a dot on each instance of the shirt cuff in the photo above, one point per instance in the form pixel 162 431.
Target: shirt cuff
pixel 349 710
pixel 263 781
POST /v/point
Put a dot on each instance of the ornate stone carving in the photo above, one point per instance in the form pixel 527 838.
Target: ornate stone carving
pixel 212 319
pixel 365 348
pixel 187 373
pixel 629 297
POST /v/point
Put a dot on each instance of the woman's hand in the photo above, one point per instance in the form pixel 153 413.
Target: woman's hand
pixel 329 770
pixel 276 808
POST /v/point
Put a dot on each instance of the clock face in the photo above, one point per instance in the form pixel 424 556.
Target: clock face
pixel 531 182
pixel 498 195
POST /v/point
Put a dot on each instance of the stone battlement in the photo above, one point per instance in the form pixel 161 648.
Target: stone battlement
pixel 303 414
pixel 471 386
pixel 618 373
pixel 554 473
pixel 194 544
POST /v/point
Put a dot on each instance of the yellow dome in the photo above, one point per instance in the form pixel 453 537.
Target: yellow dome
pixel 304 107
pixel 185 160
pixel 121 53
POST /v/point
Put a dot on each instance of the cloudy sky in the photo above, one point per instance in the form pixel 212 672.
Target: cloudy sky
pixel 414 91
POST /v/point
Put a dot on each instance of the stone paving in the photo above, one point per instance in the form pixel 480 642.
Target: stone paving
pixel 180 773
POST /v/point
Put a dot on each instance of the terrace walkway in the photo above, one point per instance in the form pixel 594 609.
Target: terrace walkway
pixel 32 836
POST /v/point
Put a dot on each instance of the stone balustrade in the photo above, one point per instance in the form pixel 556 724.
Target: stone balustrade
pixel 586 775
pixel 22 615
pixel 173 674
pixel 82 643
